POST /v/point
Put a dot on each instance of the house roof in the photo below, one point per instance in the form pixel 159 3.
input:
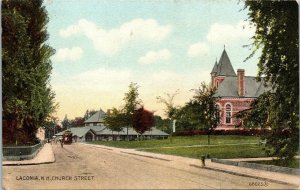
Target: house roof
pixel 96 128
pixel 229 87
pixel 155 131
pixel 77 131
pixel 98 117
pixel 102 130
pixel 224 67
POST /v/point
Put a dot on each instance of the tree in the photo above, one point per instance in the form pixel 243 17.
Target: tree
pixel 52 127
pixel 276 36
pixel 66 123
pixel 187 117
pixel 201 111
pixel 170 109
pixel 115 120
pixel 131 99
pixel 86 115
pixel 26 94
pixel 78 122
pixel 162 124
pixel 257 116
pixel 132 102
pixel 142 120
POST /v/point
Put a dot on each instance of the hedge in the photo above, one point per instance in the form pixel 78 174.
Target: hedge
pixel 241 132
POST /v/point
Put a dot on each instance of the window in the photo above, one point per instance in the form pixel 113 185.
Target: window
pixel 228 113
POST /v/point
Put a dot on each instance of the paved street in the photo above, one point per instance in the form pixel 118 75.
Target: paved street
pixel 80 166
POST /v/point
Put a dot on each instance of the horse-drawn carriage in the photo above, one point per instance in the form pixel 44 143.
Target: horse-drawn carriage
pixel 67 137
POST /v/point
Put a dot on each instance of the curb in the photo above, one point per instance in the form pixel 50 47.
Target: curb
pixel 246 175
pixel 224 171
pixel 271 168
pixel 25 164
pixel 214 169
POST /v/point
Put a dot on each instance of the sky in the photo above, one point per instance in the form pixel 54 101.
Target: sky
pixel 163 46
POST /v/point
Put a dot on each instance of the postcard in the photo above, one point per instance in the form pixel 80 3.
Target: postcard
pixel 149 94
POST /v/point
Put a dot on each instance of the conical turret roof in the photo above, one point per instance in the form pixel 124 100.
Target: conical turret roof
pixel 224 66
pixel 215 69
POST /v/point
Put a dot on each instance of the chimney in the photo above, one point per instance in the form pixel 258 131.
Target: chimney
pixel 241 82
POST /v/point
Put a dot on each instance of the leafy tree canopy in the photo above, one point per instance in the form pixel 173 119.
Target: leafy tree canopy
pixel 162 124
pixel 276 36
pixel 131 99
pixel 142 120
pixel 26 67
pixel 115 119
pixel 201 111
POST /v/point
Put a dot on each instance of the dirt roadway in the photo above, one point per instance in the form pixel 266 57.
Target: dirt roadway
pixel 81 167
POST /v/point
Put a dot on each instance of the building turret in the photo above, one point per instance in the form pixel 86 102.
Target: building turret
pixel 213 73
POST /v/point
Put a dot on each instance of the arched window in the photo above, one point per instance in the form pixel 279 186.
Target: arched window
pixel 228 109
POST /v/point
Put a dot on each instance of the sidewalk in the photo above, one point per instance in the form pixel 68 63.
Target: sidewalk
pixel 255 159
pixel 191 162
pixel 45 156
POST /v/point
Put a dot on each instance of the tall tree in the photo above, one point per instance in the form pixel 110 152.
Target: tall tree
pixel 66 123
pixel 132 102
pixel 142 120
pixel 277 36
pixel 168 101
pixel 131 99
pixel 26 95
pixel 86 115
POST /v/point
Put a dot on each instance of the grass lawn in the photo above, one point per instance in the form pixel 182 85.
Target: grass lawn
pixel 294 163
pixel 179 141
pixel 222 151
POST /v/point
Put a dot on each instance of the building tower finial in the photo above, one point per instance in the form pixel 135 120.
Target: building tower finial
pixel 224 46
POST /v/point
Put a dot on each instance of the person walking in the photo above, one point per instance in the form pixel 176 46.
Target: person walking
pixel 62 143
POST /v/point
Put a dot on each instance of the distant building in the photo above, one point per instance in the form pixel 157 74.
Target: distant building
pixel 96 119
pixel 94 129
pixel 235 92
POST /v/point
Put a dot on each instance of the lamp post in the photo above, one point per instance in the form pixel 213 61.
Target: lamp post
pixel 173 128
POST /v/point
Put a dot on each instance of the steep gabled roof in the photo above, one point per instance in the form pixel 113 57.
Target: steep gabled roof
pixel 224 66
pixel 97 117
pixel 229 88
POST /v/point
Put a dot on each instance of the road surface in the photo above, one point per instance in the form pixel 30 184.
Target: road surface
pixel 79 166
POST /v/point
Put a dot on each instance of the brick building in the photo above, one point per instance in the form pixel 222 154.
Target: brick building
pixel 235 92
